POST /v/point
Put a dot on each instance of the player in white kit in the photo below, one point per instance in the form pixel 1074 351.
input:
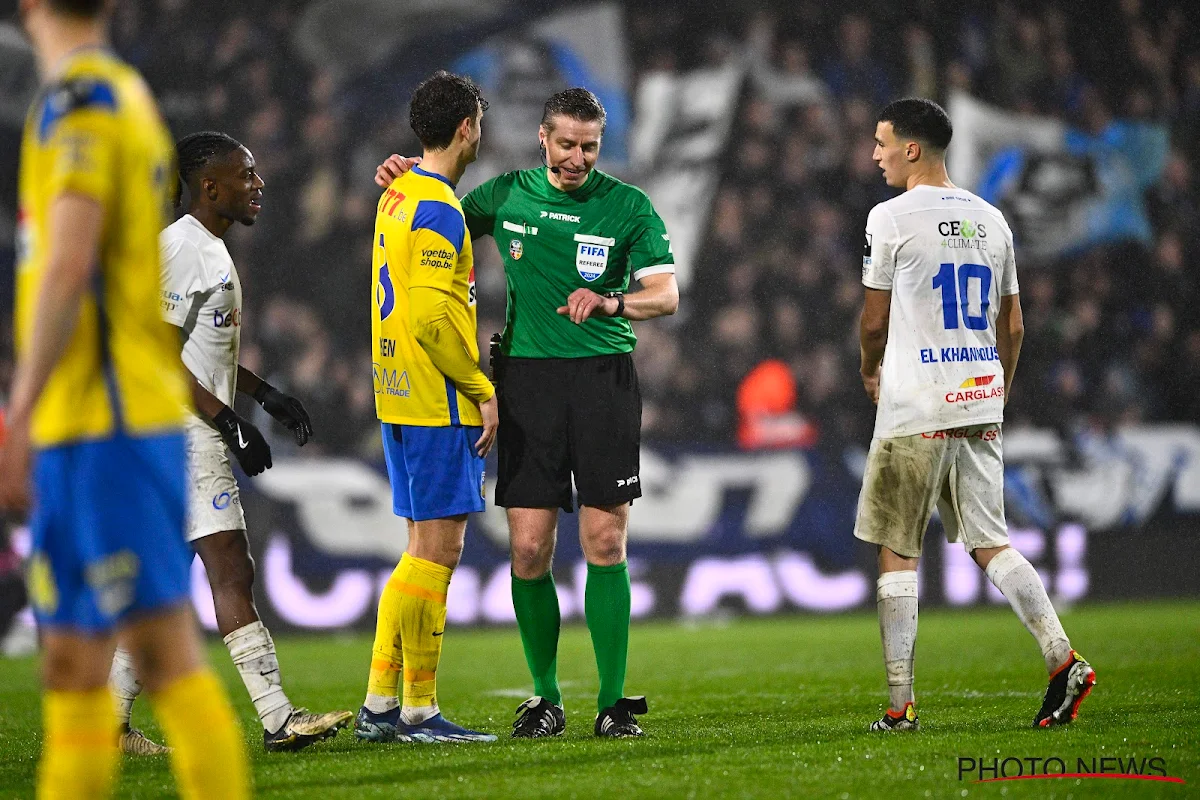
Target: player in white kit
pixel 941 295
pixel 202 296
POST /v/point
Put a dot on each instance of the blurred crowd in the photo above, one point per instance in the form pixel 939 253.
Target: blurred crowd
pixel 305 264
pixel 768 328
pixel 1113 335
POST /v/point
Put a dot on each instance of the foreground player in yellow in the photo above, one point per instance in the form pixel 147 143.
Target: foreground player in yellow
pixel 438 409
pixel 97 406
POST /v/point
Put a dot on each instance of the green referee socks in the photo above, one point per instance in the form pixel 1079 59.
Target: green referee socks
pixel 538 617
pixel 606 603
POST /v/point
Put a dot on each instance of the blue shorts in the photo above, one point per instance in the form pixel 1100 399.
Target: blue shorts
pixel 435 472
pixel 107 527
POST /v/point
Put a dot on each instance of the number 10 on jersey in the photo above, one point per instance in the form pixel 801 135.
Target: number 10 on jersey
pixel 956 295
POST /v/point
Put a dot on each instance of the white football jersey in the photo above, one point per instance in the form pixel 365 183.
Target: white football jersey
pixel 947 258
pixel 202 295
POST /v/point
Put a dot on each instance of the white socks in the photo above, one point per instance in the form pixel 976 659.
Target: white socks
pixel 896 593
pixel 1018 581
pixel 124 684
pixel 1013 575
pixel 380 703
pixel 410 715
pixel 253 654
pixel 415 715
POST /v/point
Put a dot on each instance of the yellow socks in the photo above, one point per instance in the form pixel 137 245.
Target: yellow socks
pixel 387 658
pixel 423 620
pixel 209 758
pixel 408 639
pixel 79 754
pixel 422 586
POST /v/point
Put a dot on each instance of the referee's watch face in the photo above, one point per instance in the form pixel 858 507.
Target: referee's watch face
pixel 572 146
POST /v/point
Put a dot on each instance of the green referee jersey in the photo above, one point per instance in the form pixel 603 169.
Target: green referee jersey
pixel 554 242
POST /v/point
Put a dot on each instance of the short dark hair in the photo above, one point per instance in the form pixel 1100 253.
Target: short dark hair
pixel 78 8
pixel 577 103
pixel 918 118
pixel 440 104
pixel 197 150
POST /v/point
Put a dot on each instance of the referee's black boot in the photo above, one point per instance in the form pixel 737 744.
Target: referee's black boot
pixel 618 719
pixel 538 717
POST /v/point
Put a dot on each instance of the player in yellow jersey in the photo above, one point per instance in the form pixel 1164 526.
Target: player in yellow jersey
pixel 438 409
pixel 96 413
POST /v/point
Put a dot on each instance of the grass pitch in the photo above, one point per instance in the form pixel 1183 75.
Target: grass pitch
pixel 765 708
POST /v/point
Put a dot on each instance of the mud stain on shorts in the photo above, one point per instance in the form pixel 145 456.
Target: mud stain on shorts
pixel 899 489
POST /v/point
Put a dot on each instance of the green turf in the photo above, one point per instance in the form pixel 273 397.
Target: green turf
pixel 775 708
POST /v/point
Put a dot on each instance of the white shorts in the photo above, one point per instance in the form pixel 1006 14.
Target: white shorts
pixel 960 470
pixel 214 503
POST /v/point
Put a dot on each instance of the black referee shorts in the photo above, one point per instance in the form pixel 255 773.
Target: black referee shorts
pixel 568 416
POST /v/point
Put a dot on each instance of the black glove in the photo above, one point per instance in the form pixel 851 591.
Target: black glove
pixel 286 409
pixel 246 443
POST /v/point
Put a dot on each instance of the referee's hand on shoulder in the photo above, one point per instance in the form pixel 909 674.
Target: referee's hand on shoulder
pixel 490 411
pixel 393 168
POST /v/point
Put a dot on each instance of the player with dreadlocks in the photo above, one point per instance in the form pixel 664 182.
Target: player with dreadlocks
pixel 202 296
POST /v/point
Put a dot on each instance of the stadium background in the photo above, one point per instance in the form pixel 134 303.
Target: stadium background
pixel 751 127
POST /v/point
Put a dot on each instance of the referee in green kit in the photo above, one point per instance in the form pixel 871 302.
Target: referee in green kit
pixel 571 238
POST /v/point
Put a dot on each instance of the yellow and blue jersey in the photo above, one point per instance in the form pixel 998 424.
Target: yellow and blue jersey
pixel 110 470
pixel 95 131
pixel 424 347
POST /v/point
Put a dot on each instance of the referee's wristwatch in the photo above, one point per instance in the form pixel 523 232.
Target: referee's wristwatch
pixel 620 302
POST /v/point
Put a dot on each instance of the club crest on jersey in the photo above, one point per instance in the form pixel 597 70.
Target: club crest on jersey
pixel 516 249
pixel 591 255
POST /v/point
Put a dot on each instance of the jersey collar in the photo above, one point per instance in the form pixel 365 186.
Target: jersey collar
pixel 435 176
pixel 195 223
pixel 68 58
pixel 552 191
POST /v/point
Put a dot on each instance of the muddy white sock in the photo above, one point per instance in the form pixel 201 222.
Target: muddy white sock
pixel 253 654
pixel 1018 581
pixel 896 596
pixel 415 715
pixel 124 684
pixel 380 703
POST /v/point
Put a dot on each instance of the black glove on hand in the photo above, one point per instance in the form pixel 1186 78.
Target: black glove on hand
pixel 286 409
pixel 245 442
